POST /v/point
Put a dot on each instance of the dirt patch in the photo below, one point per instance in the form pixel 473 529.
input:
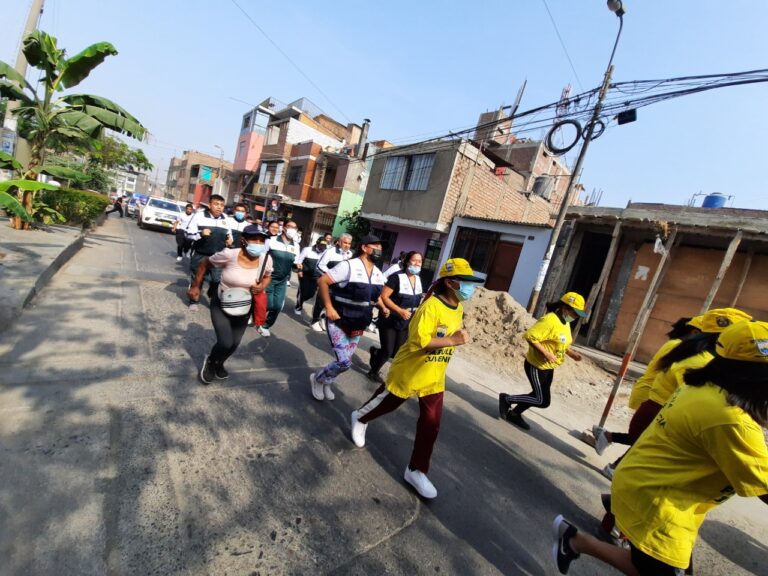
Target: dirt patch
pixel 496 323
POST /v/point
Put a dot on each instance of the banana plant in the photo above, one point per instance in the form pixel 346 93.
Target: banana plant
pixel 47 119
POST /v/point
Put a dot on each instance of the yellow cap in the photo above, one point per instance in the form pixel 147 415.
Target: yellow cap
pixel 746 341
pixel 575 301
pixel 718 319
pixel 460 269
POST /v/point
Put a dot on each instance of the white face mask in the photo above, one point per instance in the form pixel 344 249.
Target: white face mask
pixel 290 233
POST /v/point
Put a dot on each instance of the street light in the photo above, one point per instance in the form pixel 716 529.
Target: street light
pixel 617 7
pixel 219 181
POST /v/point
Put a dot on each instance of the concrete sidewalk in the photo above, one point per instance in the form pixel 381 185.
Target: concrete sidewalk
pixel 28 261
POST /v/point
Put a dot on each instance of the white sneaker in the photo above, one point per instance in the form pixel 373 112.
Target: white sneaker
pixel 372 328
pixel 608 471
pixel 317 326
pixel 328 392
pixel 601 440
pixel 264 332
pixel 178 258
pixel 297 311
pixel 420 483
pixel 194 307
pixel 317 388
pixel 358 430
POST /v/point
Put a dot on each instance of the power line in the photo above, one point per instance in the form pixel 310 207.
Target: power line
pixel 567 55
pixel 308 79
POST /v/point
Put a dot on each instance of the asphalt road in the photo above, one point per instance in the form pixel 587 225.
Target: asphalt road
pixel 115 460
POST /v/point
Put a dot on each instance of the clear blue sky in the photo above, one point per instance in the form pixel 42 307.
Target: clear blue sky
pixel 426 67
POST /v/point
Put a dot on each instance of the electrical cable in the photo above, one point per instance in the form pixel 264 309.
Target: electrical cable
pixel 562 43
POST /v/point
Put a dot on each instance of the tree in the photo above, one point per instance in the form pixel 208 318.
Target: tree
pixel 355 224
pixel 49 121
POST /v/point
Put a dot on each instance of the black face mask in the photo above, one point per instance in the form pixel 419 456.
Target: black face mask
pixel 375 255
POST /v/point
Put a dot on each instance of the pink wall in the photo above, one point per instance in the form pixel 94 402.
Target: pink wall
pixel 407 238
pixel 254 142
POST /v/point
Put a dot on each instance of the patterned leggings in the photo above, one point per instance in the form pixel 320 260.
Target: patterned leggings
pixel 344 347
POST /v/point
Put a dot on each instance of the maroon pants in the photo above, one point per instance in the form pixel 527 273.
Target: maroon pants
pixel 430 411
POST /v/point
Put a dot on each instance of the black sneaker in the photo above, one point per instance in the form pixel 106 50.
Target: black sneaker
pixel 504 406
pixel 562 553
pixel 517 420
pixel 220 372
pixel 206 372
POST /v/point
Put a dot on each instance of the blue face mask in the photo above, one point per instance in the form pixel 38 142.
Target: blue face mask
pixel 465 291
pixel 239 216
pixel 414 270
pixel 255 250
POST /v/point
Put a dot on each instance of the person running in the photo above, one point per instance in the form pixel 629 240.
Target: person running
pixel 681 329
pixel 402 295
pixel 705 445
pixel 693 352
pixel 349 292
pixel 307 272
pixel 117 206
pixel 245 271
pixel 549 342
pixel 238 222
pixel 211 228
pixel 179 228
pixel 330 258
pixel 283 249
pixel 419 369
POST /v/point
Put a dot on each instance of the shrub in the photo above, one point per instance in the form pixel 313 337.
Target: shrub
pixel 79 207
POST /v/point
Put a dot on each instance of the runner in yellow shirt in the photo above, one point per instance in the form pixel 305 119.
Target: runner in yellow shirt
pixel 549 343
pixel 419 367
pixel 704 446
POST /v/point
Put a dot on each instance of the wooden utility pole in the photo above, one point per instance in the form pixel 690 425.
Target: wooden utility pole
pixel 724 265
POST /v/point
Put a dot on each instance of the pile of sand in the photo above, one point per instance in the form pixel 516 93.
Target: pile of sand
pixel 496 323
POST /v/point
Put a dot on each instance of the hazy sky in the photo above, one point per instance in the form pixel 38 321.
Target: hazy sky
pixel 422 68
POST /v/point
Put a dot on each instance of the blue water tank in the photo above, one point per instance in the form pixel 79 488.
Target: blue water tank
pixel 714 200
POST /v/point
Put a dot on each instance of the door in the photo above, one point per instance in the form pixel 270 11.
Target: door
pixel 503 266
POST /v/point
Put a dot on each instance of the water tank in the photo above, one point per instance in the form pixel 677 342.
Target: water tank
pixel 714 200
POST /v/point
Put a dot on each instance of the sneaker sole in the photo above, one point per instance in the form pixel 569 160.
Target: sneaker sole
pixel 412 485
pixel 312 384
pixel 202 378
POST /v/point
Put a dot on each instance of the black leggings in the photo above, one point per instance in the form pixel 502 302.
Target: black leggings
pixel 229 332
pixel 391 340
pixel 183 245
pixel 540 397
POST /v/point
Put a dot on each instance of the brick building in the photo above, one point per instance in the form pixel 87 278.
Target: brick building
pixel 192 177
pixel 466 198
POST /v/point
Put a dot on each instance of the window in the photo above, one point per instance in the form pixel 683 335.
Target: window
pixel 241 149
pixel 419 169
pixel 246 122
pixel 273 134
pixel 407 172
pixel 295 174
pixel 475 246
pixel 431 260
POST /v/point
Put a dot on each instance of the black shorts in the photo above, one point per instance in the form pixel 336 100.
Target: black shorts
pixel 650 566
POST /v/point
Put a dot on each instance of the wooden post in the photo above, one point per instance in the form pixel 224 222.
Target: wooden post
pixel 744 274
pixel 732 247
pixel 640 321
pixel 610 258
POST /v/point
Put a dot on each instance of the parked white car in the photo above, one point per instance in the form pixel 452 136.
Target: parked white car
pixel 159 213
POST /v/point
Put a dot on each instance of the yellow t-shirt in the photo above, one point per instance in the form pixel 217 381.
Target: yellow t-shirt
pixel 671 379
pixel 696 454
pixel 554 335
pixel 642 387
pixel 414 370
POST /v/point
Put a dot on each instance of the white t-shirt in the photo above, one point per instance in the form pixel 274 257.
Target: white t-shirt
pixel 235 276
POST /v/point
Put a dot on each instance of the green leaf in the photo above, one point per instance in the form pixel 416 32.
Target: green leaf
pixel 12 91
pixel 77 119
pixel 117 122
pixel 62 172
pixel 13 206
pixel 41 52
pixel 9 72
pixel 82 100
pixel 33 185
pixel 77 68
pixel 8 162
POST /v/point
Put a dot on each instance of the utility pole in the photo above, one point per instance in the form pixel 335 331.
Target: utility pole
pixel 614 6
pixel 17 146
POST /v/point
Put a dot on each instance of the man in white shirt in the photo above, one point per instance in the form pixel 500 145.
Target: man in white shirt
pixel 211 227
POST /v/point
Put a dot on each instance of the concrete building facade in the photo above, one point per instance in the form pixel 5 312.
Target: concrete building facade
pixel 192 177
